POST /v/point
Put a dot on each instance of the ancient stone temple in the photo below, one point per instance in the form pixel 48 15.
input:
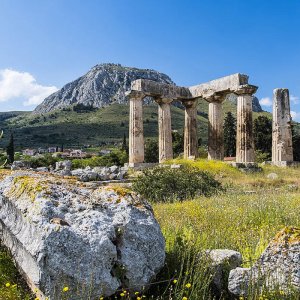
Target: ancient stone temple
pixel 282 147
pixel 215 93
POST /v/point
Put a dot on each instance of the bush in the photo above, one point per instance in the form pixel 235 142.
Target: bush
pixel 163 184
pixel 41 161
pixel 260 156
pixel 116 157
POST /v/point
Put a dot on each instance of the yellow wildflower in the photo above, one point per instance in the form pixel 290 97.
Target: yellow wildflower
pixel 36 298
pixel 7 284
pixel 136 293
pixel 175 281
pixel 65 289
pixel 138 298
pixel 101 298
pixel 188 285
pixel 122 294
pixel 184 298
pixel 281 292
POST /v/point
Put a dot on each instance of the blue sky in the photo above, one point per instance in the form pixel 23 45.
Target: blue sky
pixel 45 44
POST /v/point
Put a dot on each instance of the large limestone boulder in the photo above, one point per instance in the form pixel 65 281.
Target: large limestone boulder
pixel 62 232
pixel 278 268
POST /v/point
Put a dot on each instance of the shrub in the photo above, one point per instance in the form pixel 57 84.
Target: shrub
pixel 260 156
pixel 166 184
pixel 116 157
pixel 41 161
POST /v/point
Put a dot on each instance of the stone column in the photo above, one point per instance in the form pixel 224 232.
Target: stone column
pixel 282 147
pixel 165 130
pixel 215 130
pixel 190 129
pixel 244 134
pixel 136 130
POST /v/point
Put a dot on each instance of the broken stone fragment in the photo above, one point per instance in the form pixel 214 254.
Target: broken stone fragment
pixel 278 268
pixel 222 261
pixel 102 240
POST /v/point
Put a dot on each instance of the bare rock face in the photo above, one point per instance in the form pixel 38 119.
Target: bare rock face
pixel 104 84
pixel 62 232
pixel 277 268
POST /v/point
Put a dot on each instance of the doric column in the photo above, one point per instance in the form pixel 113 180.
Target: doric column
pixel 215 130
pixel 136 130
pixel 190 129
pixel 165 130
pixel 244 134
pixel 282 146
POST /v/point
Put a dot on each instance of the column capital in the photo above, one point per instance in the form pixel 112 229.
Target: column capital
pixel 135 95
pixel 161 100
pixel 246 89
pixel 220 98
pixel 189 103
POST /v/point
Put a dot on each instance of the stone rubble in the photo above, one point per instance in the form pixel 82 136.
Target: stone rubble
pixel 278 268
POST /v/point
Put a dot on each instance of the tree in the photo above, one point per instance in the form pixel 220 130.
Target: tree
pixel 296 143
pixel 262 133
pixel 151 151
pixel 10 149
pixel 178 141
pixel 124 144
pixel 229 135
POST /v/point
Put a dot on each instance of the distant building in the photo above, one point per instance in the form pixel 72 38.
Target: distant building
pixel 104 152
pixel 42 150
pixel 78 154
pixel 52 150
pixel 30 152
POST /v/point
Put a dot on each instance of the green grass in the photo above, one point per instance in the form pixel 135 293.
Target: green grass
pixel 244 218
pixel 12 286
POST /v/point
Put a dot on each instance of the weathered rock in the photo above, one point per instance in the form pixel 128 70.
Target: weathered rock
pixel 277 268
pixel 42 169
pixel 222 261
pixel 93 240
pixel 63 165
pixel 114 169
pixel 19 165
pixel 272 176
pixel 101 86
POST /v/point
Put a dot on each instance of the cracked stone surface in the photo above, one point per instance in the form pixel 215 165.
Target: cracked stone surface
pixel 62 232
pixel 278 268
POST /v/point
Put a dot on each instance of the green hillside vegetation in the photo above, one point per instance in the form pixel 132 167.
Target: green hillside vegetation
pixel 95 127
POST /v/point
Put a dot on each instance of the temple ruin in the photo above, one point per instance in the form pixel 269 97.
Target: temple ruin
pixel 282 148
pixel 215 93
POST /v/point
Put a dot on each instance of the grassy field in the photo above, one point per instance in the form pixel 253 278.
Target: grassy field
pixel 244 217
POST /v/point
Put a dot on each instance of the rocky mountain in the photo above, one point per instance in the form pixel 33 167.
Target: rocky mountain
pixel 104 84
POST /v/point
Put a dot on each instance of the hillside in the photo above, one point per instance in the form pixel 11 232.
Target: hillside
pixel 106 124
pixel 103 85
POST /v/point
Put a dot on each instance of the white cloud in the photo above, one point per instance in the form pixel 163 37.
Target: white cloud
pixel 294 99
pixel 265 101
pixel 295 115
pixel 14 84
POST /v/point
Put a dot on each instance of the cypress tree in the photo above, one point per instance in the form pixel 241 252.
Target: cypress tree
pixel 229 135
pixel 10 149
pixel 124 144
pixel 262 132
